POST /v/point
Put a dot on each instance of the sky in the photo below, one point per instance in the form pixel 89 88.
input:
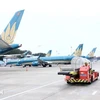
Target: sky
pixel 57 25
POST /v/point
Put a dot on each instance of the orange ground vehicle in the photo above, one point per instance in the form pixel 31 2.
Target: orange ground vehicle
pixel 83 74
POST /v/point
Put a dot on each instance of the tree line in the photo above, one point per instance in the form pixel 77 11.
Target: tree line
pixel 18 51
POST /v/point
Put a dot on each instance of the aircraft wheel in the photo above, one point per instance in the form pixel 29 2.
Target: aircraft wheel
pixel 44 65
pixel 10 65
pixel 29 65
pixel 50 65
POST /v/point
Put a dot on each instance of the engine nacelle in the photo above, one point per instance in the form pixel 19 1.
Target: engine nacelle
pixel 18 64
pixel 35 63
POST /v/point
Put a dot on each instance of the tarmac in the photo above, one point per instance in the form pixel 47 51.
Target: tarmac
pixel 38 83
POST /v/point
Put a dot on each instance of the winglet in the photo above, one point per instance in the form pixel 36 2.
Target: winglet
pixel 78 51
pixel 9 32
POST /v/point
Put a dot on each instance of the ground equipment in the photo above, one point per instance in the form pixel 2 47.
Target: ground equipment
pixel 80 71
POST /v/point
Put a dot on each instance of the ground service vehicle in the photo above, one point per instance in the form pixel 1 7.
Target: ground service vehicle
pixel 80 71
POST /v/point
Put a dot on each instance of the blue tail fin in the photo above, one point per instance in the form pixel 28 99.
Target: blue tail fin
pixel 9 32
pixel 91 54
pixel 49 53
pixel 78 51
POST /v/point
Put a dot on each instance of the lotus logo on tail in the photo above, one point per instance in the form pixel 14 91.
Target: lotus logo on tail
pixel 78 51
pixel 49 53
pixel 91 54
pixel 9 34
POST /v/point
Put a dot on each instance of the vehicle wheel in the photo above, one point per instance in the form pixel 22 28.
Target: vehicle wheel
pixel 91 80
pixel 97 79
pixel 68 82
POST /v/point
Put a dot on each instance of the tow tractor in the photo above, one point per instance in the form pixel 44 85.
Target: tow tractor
pixel 80 71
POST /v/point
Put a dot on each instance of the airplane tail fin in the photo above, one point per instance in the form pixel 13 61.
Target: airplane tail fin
pixel 49 53
pixel 9 32
pixel 91 54
pixel 78 51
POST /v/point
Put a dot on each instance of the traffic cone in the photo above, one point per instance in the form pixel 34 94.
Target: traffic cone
pixel 26 68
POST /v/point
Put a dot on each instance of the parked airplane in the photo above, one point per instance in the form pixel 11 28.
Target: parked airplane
pixel 62 59
pixel 14 58
pixel 15 61
pixel 44 61
pixel 8 35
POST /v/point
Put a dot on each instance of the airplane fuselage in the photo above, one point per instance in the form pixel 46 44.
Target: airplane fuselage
pixel 52 60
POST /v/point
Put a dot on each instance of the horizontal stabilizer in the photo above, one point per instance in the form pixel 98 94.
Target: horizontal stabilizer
pixel 4 45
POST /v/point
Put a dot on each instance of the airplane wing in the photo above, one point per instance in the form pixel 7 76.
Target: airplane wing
pixel 92 58
pixel 15 55
pixel 98 58
pixel 3 46
pixel 41 61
